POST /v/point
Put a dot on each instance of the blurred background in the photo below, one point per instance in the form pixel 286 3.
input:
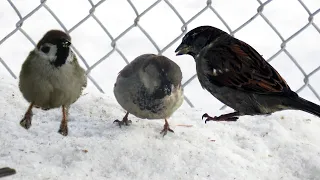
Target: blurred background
pixel 108 34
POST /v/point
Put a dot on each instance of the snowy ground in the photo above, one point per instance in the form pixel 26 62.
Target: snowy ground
pixel 285 145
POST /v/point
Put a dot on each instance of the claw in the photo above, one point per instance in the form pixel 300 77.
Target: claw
pixel 211 119
pixel 166 128
pixel 123 122
pixel 26 121
pixel 119 122
pixel 63 131
pixel 205 115
pixel 165 131
pixel 224 117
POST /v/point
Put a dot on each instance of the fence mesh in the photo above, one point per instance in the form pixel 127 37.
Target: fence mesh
pixel 207 6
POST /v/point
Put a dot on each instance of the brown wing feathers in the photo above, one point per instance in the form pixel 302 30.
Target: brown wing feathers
pixel 246 70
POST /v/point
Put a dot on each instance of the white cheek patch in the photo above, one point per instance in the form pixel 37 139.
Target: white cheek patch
pixel 51 55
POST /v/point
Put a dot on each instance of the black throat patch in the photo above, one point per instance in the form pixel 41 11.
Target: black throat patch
pixel 62 55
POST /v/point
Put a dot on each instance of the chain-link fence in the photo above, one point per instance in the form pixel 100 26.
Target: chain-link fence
pixel 207 6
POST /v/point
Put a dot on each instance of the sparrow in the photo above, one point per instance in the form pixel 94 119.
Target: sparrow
pixel 6 171
pixel 51 77
pixel 238 76
pixel 149 88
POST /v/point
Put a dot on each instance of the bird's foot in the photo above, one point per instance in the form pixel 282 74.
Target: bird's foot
pixel 166 128
pixel 26 121
pixel 224 117
pixel 63 131
pixel 125 121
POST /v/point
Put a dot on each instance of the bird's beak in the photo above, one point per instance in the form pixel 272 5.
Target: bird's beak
pixel 182 49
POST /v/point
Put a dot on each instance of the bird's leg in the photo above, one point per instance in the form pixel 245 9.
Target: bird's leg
pixel 125 120
pixel 224 117
pixel 166 128
pixel 26 121
pixel 64 122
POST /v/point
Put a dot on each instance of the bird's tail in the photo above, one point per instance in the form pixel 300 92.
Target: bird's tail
pixel 305 105
pixel 6 171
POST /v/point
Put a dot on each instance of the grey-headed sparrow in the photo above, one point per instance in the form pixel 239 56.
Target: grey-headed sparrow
pixel 149 88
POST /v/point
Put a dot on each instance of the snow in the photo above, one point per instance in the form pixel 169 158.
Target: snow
pixel 284 145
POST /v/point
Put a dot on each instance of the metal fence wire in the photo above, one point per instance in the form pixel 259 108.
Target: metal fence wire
pixel 135 24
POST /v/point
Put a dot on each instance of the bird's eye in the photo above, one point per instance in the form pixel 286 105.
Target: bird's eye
pixel 45 49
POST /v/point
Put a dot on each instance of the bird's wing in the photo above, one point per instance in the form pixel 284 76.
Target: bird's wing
pixel 237 65
pixel 80 72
